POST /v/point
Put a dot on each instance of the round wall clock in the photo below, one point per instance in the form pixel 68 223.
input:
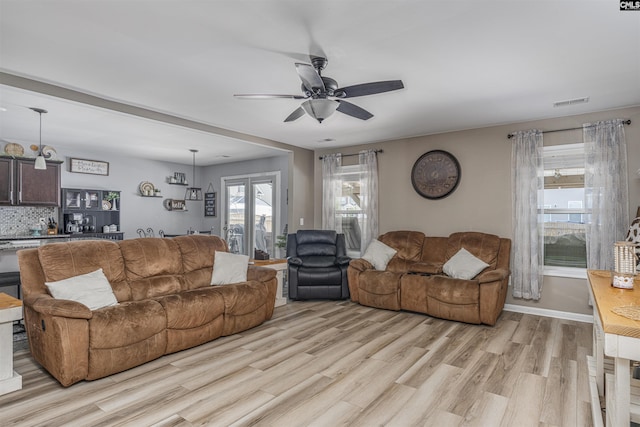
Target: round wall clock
pixel 435 174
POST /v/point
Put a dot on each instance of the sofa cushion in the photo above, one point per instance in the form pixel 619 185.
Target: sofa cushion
pixel 126 323
pixel 125 335
pixel 229 268
pixel 193 317
pixel 245 306
pixel 91 289
pixel 378 254
pixel 463 265
pixel 198 252
pixel 69 259
pixel 153 267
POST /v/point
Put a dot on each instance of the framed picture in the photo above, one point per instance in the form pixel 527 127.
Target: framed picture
pixel 93 167
pixel 210 204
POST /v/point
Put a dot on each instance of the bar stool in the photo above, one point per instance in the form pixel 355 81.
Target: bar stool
pixel 12 278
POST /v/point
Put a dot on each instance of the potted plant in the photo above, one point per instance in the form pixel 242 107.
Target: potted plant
pixel 281 244
pixel 112 197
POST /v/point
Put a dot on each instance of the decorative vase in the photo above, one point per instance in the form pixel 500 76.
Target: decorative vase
pixel 114 206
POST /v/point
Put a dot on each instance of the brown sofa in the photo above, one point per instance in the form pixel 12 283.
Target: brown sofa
pixel 165 303
pixel 413 279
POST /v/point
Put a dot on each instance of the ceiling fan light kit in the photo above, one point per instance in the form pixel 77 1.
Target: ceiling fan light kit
pixel 317 90
pixel 319 109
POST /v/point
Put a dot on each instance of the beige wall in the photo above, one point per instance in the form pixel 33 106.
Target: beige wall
pixel 482 201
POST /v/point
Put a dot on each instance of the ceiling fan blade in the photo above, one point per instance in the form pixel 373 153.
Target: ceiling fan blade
pixel 310 77
pixel 267 96
pixel 369 88
pixel 353 110
pixel 297 113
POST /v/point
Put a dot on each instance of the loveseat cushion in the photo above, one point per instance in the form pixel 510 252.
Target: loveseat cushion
pixel 153 267
pixel 380 289
pixel 484 246
pixel 453 299
pixel 408 245
pixel 69 259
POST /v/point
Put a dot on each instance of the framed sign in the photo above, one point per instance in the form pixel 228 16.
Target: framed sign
pixel 94 167
pixel 210 204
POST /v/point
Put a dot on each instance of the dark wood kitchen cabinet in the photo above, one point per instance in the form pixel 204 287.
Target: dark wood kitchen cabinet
pixel 21 184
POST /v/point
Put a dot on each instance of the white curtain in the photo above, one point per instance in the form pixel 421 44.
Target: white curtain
pixel 368 161
pixel 331 189
pixel 527 180
pixel 606 191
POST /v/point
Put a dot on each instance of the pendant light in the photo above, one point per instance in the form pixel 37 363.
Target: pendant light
pixel 193 193
pixel 41 162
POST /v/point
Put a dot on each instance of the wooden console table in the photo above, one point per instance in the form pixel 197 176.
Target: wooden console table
pixel 280 265
pixel 10 311
pixel 617 337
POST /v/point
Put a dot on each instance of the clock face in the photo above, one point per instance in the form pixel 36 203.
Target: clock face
pixel 435 174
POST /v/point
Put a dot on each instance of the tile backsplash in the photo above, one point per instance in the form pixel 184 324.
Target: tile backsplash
pixel 18 220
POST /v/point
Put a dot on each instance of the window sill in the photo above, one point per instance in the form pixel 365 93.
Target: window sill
pixel 570 272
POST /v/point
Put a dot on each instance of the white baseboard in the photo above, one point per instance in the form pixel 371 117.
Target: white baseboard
pixel 578 317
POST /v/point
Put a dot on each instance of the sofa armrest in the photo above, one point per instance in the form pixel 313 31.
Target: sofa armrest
pixel 261 274
pixel 492 275
pixel 360 264
pixel 47 305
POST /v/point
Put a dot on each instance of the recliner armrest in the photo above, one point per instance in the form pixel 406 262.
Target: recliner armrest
pixel 492 275
pixel 343 260
pixel 360 264
pixel 294 260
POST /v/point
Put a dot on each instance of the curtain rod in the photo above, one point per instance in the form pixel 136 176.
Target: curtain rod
pixel 355 154
pixel 511 135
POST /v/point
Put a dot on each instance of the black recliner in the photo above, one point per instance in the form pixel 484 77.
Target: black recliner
pixel 318 262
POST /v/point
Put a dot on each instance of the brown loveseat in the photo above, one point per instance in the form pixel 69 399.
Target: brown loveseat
pixel 165 303
pixel 414 279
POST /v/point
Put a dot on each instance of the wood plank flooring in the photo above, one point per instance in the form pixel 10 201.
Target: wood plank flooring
pixel 336 363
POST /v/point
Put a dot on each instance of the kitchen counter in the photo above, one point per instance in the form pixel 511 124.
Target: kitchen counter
pixel 29 237
pixel 13 243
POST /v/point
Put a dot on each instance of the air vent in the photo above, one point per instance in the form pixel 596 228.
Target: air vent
pixel 571 102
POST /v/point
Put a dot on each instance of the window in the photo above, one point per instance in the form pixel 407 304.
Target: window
pixel 564 208
pixel 349 211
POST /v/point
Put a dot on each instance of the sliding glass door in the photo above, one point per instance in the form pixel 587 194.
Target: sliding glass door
pixel 250 214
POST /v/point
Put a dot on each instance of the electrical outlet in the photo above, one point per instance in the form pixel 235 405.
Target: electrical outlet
pixel 43 221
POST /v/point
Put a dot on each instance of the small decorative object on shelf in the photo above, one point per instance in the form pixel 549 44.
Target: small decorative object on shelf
pixel 625 265
pixel 178 178
pixel 175 205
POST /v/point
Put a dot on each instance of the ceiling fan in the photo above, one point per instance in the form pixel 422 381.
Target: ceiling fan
pixel 323 96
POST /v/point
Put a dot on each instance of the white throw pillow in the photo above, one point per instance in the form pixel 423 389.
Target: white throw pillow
pixel 91 289
pixel 378 254
pixel 464 265
pixel 229 268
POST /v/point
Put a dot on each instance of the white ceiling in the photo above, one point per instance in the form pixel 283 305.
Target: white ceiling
pixel 465 64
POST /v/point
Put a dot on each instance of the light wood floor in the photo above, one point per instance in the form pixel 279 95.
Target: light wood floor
pixel 336 363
